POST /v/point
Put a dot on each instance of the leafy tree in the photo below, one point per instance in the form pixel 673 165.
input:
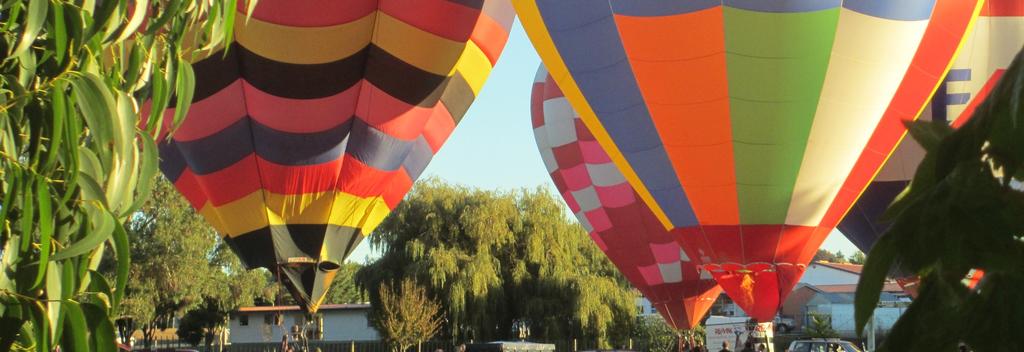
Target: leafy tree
pixel 180 264
pixel 820 326
pixel 73 164
pixel 170 272
pixel 494 257
pixel 961 211
pixel 857 258
pixel 658 336
pixel 344 289
pixel 406 315
pixel 826 256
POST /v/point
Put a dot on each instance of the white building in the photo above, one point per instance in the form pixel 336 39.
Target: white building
pixel 341 322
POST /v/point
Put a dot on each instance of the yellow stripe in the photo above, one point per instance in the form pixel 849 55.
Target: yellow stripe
pixel 474 67
pixel 251 212
pixel 318 45
pixel 304 45
pixel 532 22
pixel 956 53
pixel 416 47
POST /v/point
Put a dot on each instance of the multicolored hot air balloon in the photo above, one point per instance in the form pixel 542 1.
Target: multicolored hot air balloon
pixel 740 122
pixel 996 38
pixel 606 205
pixel 319 119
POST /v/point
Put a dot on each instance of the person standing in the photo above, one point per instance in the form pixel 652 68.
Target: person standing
pixel 725 347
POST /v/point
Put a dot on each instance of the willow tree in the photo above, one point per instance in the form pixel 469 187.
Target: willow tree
pixel 492 258
pixel 74 165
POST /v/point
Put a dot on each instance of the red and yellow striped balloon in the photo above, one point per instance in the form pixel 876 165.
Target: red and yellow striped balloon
pixel 319 119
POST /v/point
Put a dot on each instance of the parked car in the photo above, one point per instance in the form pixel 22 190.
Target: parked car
pixel 822 345
pixel 783 324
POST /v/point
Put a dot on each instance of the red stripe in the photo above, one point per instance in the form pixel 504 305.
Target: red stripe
pixel 189 187
pixel 444 18
pixel 490 37
pixel 238 100
pixel 310 13
pixel 392 116
pixel 439 127
pixel 978 98
pixel 1003 8
pixel 941 38
pixel 537 104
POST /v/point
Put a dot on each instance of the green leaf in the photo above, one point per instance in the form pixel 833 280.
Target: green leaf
pixel 76 328
pixel 150 162
pixel 134 75
pixel 46 223
pixel 54 293
pixel 100 18
pixel 161 98
pixel 123 251
pixel 186 85
pixel 27 215
pixel 102 330
pixel 42 327
pixel 137 16
pixel 59 111
pixel 98 283
pixel 26 68
pixel 9 192
pixel 102 225
pixel 91 190
pixel 928 133
pixel 90 163
pixel 59 31
pixel 170 9
pixel 93 98
pixel 35 17
pixel 869 287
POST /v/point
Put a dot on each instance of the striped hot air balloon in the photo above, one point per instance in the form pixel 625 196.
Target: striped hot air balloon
pixel 996 38
pixel 319 119
pixel 741 122
pixel 608 208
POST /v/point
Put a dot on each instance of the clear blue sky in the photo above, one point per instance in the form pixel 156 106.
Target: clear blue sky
pixel 493 146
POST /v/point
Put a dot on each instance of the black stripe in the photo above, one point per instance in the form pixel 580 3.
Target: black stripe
pixel 403 81
pixel 301 81
pixel 255 249
pixel 458 96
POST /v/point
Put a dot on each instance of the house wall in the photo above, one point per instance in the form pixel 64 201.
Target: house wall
pixel 818 275
pixel 795 303
pixel 843 321
pixel 339 325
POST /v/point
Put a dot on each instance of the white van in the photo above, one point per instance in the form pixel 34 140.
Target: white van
pixel 736 331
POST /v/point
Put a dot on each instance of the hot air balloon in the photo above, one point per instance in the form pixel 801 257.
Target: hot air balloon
pixel 994 41
pixel 620 224
pixel 739 122
pixel 319 118
pixel 996 38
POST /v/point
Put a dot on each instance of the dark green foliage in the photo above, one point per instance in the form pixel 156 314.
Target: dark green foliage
pixel 343 289
pixel 658 336
pixel 74 165
pixel 820 326
pixel 961 211
pixel 180 265
pixel 494 257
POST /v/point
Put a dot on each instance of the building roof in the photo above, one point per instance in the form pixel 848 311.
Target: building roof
pixel 850 268
pixel 852 288
pixel 296 308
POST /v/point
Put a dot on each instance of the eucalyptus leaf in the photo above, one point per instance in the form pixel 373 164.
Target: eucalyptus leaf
pixel 35 16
